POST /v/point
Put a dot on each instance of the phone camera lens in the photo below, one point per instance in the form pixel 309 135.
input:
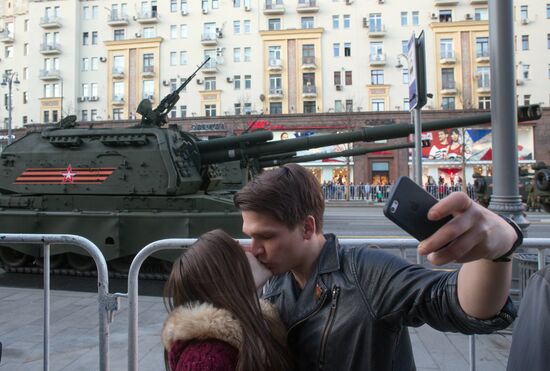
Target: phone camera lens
pixel 393 207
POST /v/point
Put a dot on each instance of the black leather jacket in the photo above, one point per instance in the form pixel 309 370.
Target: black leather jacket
pixel 353 312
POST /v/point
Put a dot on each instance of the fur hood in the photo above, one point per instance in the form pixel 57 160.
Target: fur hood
pixel 204 321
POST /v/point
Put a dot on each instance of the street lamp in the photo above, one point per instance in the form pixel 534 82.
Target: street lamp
pixel 8 79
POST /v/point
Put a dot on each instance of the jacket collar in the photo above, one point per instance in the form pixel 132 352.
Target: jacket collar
pixel 328 259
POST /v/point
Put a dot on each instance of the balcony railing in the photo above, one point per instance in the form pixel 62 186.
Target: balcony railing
pixel 275 93
pixel 147 96
pixel 447 57
pixel 52 48
pixel 446 2
pixel 118 99
pixel 275 64
pixel 273 8
pixel 209 38
pixel 49 74
pixel 6 37
pixel 307 6
pixel 50 21
pixel 147 16
pixel 309 90
pixel 148 71
pixel 308 61
pixel 377 30
pixel 118 72
pixel 210 67
pixel 377 59
pixel 117 20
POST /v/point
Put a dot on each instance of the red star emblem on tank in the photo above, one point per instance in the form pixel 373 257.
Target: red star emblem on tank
pixel 68 175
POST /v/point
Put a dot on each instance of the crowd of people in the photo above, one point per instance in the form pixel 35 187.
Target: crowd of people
pixel 295 299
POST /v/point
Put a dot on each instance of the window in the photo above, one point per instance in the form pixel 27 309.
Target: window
pixel 46 116
pixel 93 114
pixel 118 91
pixel 375 22
pixel 405 47
pixel 85 90
pixel 26 49
pixel 525 71
pixel 275 108
pixel 148 87
pixel 210 110
pixel 347 49
pixel 337 106
pixel 547 11
pixel 377 77
pixel 447 78
pixel 336 49
pixel 173 58
pixel 405 75
pixel 275 84
pixel 148 62
pixel 236 27
pixel 548 41
pixel 347 22
pixel 337 78
pixel 25 97
pixel 335 22
pixel 85 38
pixel 118 34
pixel 236 3
pixel 149 32
pixel 55 115
pixel 377 105
pixel 247 81
pixel 215 4
pixel 481 14
pixel 94 38
pixel 246 26
pixel 274 52
pixel 173 31
pixel 348 78
pixel 118 64
pixel 95 63
pixel 247 53
pixel 95 11
pixel 307 22
pixel 84 115
pixel 415 19
pixel 173 6
pixel 308 54
pixel 85 64
pixel 117 113
pixel 247 108
pixel 183 8
pixel 349 105
pixel 526 100
pixel 448 103
pixel 183 31
pixel 376 51
pixel 25 73
pixel 482 47
pixel 173 84
pixel 237 108
pixel 484 103
pixel 483 78
pixel 86 12
pixel 183 111
pixel 308 81
pixel 446 48
pixel 274 24
pixel 26 25
pixel 236 54
pixel 209 83
pixel 183 58
pixel 309 106
pixel 404 19
pixel 524 13
pixel 524 42
pixel 445 16
pixel 237 82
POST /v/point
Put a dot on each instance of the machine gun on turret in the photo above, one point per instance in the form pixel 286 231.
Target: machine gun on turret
pixel 157 117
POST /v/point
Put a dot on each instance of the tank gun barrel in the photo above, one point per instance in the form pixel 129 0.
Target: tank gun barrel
pixel 232 142
pixel 368 134
pixel 322 156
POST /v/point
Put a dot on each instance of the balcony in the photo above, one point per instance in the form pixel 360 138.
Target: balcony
pixel 118 100
pixel 274 8
pixel 447 58
pixel 483 88
pixel 147 17
pixel 445 2
pixel 478 2
pixel 275 93
pixel 482 57
pixel 149 96
pixel 50 49
pixel 308 63
pixel 49 75
pixel 448 88
pixel 116 20
pixel 210 67
pixel 378 59
pixel 6 37
pixel 118 73
pixel 307 6
pixel 148 71
pixel 377 31
pixel 275 65
pixel 209 39
pixel 309 91
pixel 50 21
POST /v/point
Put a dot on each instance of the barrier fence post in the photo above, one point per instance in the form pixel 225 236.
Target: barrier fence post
pixel 46 257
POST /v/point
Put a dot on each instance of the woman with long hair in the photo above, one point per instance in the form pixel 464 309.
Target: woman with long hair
pixel 216 321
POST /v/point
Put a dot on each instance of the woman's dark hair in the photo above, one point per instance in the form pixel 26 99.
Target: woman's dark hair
pixel 215 270
pixel 289 194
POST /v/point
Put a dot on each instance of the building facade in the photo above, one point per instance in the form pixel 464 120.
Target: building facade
pixel 98 59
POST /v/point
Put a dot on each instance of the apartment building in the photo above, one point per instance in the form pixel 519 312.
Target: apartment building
pixel 98 59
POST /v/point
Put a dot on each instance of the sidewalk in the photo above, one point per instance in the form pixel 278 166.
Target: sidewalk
pixel 74 336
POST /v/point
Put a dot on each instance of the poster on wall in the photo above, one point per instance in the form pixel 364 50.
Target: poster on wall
pixel 473 144
pixel 283 135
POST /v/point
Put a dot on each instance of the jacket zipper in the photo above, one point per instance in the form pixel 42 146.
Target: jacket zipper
pixel 328 326
pixel 317 309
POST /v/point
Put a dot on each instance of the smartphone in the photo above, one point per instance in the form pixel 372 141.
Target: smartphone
pixel 408 206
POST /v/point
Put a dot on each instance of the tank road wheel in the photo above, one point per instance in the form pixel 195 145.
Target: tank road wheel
pixel 81 263
pixel 13 258
pixel 55 261
pixel 121 265
pixel 542 178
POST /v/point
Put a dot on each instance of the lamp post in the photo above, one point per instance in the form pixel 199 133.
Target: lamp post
pixel 9 78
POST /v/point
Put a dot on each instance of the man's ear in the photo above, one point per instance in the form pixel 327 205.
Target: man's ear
pixel 310 227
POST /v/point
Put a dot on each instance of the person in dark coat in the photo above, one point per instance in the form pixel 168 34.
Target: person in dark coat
pixel 216 321
pixel 531 337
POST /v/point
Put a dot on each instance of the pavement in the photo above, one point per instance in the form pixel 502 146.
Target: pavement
pixel 74 336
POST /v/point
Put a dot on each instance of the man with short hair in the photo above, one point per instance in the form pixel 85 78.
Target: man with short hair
pixel 440 151
pixel 348 308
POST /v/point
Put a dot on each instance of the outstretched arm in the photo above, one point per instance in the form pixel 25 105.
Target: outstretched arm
pixel 475 236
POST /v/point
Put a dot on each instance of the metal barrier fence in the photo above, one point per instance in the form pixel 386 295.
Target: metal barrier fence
pixel 107 302
pixel 375 193
pixel 392 244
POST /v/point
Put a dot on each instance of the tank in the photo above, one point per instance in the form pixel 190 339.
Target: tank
pixel 542 187
pixel 123 188
pixel 483 187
